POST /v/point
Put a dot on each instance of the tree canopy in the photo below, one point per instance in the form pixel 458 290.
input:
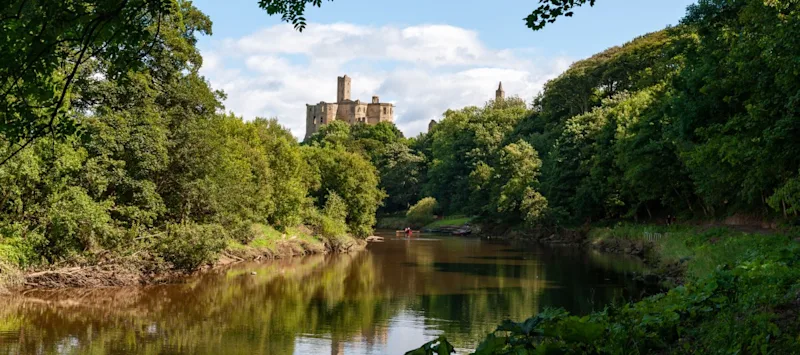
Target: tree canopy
pixel 156 165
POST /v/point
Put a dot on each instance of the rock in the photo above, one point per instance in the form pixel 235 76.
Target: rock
pixel 374 238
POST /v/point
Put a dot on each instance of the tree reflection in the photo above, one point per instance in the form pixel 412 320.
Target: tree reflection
pixel 461 287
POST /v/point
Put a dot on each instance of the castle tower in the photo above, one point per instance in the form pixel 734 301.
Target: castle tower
pixel 431 124
pixel 499 95
pixel 343 88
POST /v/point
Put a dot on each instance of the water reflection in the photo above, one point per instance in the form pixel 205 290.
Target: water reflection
pixel 397 295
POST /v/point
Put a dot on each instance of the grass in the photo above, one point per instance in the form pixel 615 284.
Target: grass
pixel 267 238
pixel 399 221
pixel 703 249
pixel 450 221
pixel 391 222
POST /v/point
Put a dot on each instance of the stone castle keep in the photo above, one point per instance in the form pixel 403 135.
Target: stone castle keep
pixel 347 110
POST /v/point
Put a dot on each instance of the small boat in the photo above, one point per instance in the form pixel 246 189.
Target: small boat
pixel 402 233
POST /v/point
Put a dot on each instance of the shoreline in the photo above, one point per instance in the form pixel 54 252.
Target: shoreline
pixel 710 275
pixel 660 247
pixel 143 270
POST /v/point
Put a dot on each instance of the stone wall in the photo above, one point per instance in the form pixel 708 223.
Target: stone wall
pixel 318 115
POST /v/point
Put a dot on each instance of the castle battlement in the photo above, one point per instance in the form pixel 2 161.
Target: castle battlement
pixel 347 110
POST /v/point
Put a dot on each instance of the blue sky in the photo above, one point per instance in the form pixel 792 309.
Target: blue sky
pixel 425 56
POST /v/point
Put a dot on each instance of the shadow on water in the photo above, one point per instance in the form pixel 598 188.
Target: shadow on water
pixel 394 296
pixel 505 270
pixel 510 257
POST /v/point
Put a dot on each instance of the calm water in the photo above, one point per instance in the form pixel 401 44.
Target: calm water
pixel 391 298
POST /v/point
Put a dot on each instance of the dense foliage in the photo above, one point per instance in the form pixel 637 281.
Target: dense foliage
pixel 698 121
pixel 113 143
pixel 46 46
pixel 401 169
pixel 156 166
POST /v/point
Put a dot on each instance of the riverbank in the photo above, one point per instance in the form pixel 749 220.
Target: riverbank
pixel 399 222
pixel 731 291
pixel 361 300
pixel 144 267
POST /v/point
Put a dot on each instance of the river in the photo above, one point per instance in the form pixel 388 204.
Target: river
pixel 393 297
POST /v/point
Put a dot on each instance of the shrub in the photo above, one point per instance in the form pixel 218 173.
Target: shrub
pixel 244 232
pixel 422 213
pixel 330 223
pixel 188 246
pixel 335 207
pixel 76 223
pixel 331 228
pixel 19 246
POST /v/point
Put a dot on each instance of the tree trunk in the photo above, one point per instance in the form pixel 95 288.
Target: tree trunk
pixel 783 202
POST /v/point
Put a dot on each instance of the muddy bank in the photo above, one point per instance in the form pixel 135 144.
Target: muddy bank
pixel 577 238
pixel 144 269
pixel 560 236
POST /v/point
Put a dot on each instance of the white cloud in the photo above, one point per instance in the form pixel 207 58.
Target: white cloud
pixel 423 70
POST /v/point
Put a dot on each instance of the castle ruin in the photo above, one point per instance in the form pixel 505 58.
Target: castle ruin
pixel 347 110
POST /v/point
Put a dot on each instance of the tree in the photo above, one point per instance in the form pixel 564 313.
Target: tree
pixel 158 169
pixel 517 175
pixel 735 106
pixel 421 213
pixel 401 170
pixel 351 177
pixel 336 133
pixel 463 146
pixel 46 45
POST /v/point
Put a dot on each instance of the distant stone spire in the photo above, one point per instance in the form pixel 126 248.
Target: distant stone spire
pixel 500 95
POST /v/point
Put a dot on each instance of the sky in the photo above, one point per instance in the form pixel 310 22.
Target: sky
pixel 423 56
